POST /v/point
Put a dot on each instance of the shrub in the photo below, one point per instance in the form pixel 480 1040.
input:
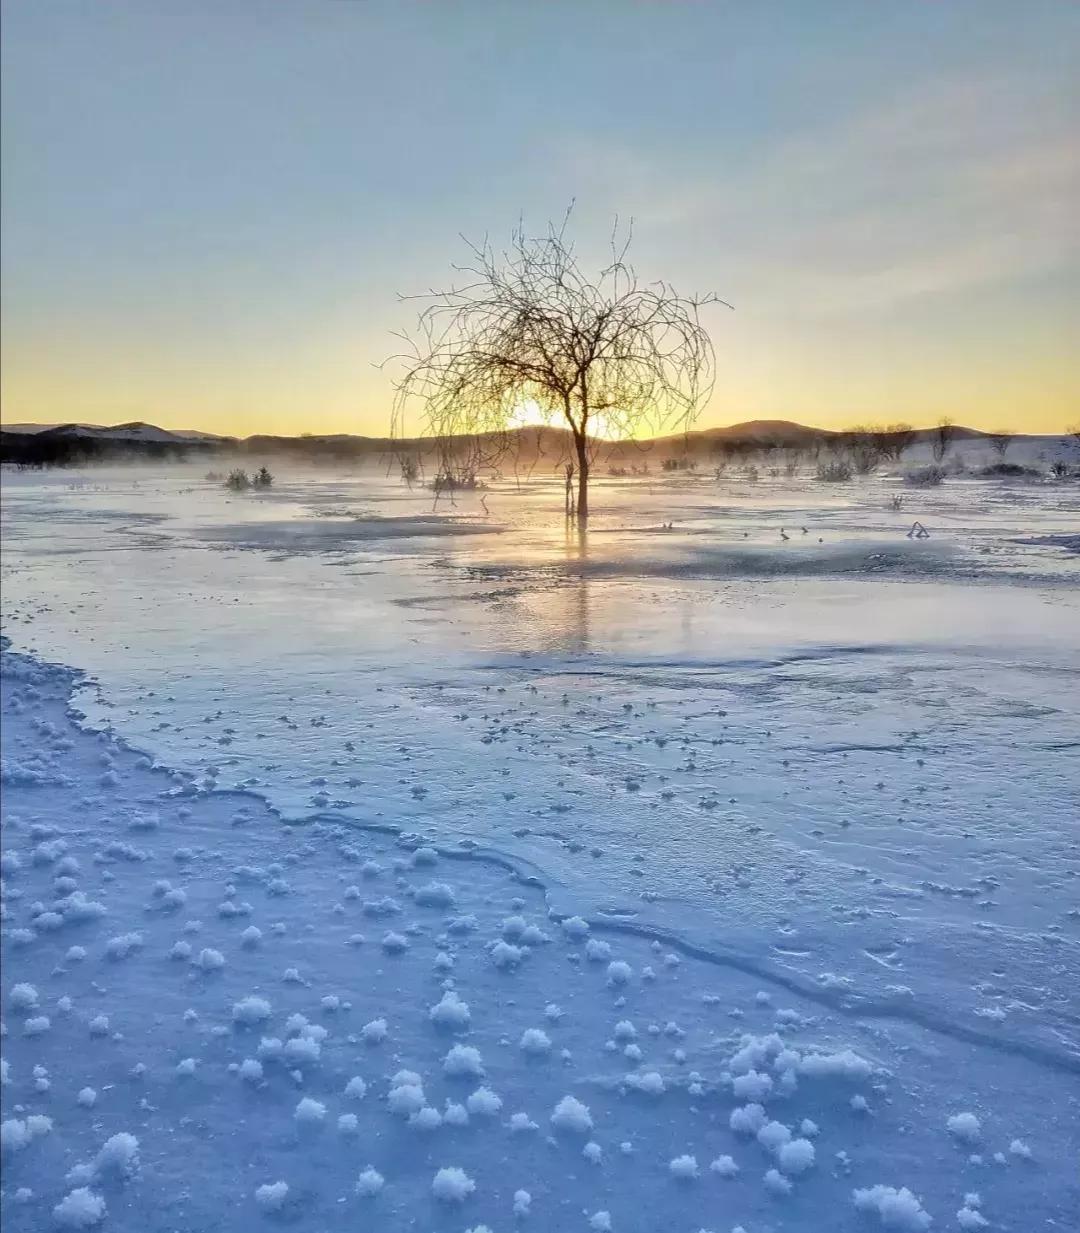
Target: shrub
pixel 263 478
pixel 925 477
pixel 836 471
pixel 237 480
pixel 1008 469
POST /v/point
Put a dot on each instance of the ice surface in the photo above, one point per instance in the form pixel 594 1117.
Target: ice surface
pixel 778 845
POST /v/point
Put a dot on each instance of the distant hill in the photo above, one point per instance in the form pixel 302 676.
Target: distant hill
pixel 74 444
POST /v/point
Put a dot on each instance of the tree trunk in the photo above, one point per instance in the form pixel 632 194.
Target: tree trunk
pixel 582 444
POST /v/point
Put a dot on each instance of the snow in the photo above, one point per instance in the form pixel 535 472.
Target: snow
pixel 756 948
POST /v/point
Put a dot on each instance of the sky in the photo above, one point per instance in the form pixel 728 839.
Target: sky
pixel 212 207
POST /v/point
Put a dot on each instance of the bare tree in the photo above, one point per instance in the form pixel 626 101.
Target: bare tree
pixel 942 439
pixel 896 438
pixel 1000 442
pixel 605 354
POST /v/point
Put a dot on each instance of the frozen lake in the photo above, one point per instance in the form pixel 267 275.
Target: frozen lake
pixel 781 736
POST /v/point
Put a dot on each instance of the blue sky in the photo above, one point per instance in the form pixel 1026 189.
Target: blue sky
pixel 210 208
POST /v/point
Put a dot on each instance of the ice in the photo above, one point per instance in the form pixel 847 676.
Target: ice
pixel 838 896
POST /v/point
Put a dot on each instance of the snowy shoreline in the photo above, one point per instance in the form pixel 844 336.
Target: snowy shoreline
pixel 671 1056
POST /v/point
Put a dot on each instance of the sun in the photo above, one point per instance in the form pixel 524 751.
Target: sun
pixel 530 414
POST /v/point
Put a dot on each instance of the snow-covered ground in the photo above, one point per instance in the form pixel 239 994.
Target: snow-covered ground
pixel 761 850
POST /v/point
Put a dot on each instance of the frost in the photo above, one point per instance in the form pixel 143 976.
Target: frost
pixel 969 1218
pixel 434 895
pixel 375 1032
pixel 965 1126
pixel 773 1135
pixel 81 1209
pixel 522 1202
pixel 651 1083
pixel 897 1209
pixel 618 973
pixel 251 1010
pixel 463 1060
pixel 369 1183
pixel 450 1012
pixel 455 1114
pixel 846 1064
pixel 600 1222
pixel 301 1051
pixel 406 1097
pixel 271 1197
pixel 522 1122
pixel 119 1156
pixel 724 1166
pixel 684 1167
pixel 356 1088
pixel 210 960
pixel 571 1114
pixel 593 1152
pixel 503 955
pixel 748 1119
pixel 752 1086
pixel 452 1185
pixel 309 1111
pixel 533 1040
pixel 250 1071
pixel 796 1157
pixel 23 997
pixel 776 1183
pixel 13 1135
pixel 597 951
pixel 484 1102
pixel 426 1118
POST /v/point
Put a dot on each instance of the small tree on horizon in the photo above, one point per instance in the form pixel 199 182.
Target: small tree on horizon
pixel 943 434
pixel 1000 442
pixel 604 354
